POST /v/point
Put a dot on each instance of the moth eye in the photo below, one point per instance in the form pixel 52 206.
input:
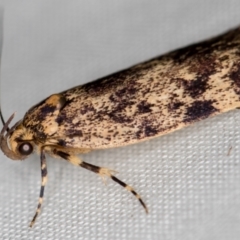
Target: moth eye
pixel 25 148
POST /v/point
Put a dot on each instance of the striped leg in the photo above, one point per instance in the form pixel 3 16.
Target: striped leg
pixel 43 183
pixel 103 172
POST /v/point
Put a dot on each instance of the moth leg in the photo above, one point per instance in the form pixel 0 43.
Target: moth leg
pixel 103 172
pixel 43 183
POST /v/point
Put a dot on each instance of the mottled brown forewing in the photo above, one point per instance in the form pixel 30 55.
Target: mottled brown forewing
pixel 147 100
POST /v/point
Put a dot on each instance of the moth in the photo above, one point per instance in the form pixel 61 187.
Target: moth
pixel 145 101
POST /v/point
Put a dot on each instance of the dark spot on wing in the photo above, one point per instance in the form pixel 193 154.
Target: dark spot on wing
pixel 120 118
pixel 59 120
pixel 147 129
pixel 144 107
pixel 195 87
pixel 61 142
pixel 199 109
pixel 175 105
pixel 47 109
pixel 150 131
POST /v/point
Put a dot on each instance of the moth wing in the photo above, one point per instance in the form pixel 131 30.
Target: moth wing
pixel 149 99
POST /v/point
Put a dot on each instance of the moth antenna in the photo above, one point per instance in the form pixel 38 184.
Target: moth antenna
pixel 2 119
pixel 1 46
pixel 5 126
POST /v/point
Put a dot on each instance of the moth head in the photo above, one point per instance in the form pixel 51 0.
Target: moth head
pixel 15 144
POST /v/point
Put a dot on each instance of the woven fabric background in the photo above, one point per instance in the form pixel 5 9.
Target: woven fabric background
pixel 189 179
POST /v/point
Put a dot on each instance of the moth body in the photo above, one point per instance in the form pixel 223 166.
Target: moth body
pixel 148 100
